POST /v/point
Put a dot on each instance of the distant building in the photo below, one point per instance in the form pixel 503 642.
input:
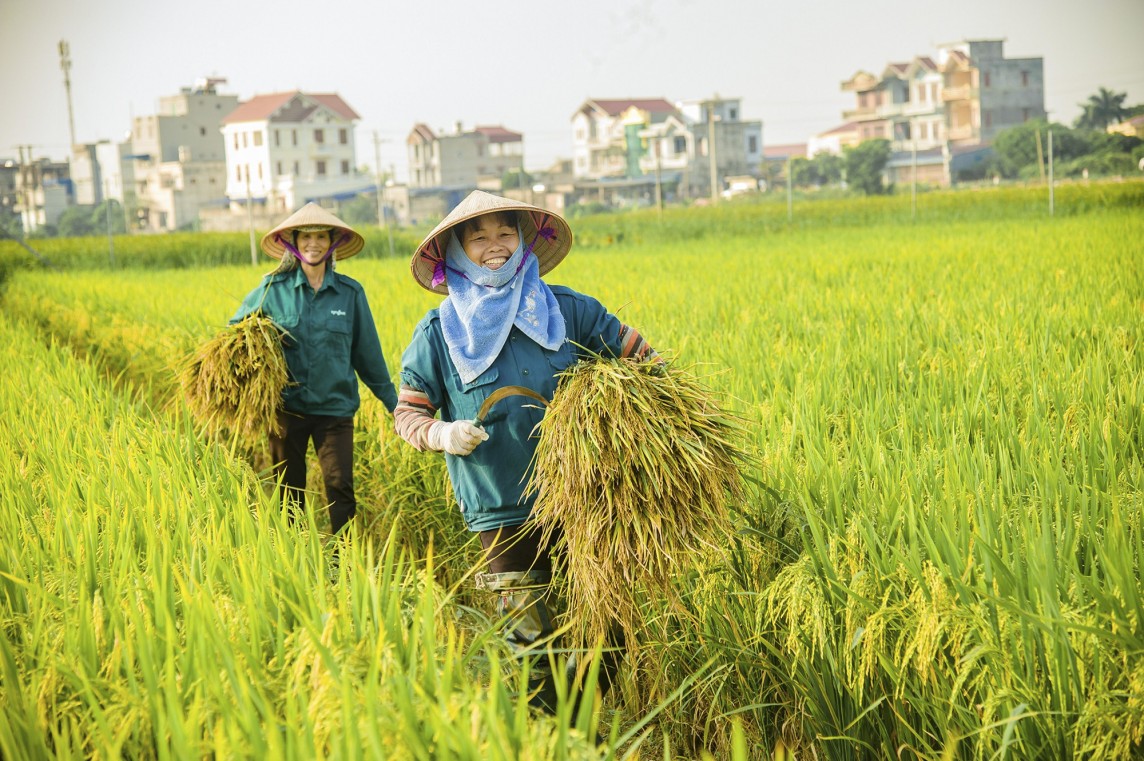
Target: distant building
pixel 959 101
pixel 479 157
pixel 833 140
pixel 178 163
pixel 42 190
pixel 103 170
pixel 629 145
pixel 1132 127
pixel 288 148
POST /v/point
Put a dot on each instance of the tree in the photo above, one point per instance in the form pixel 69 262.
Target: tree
pixel 516 179
pixel 75 222
pixel 109 210
pixel 1104 108
pixel 359 210
pixel 828 168
pixel 865 163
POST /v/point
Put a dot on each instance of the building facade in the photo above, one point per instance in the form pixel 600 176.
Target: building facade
pixel 650 142
pixel 951 105
pixel 285 149
pixel 177 159
pixel 477 158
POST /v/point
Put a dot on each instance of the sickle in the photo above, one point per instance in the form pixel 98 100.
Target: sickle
pixel 502 393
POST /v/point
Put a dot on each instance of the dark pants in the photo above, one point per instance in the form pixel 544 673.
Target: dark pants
pixel 520 572
pixel 333 439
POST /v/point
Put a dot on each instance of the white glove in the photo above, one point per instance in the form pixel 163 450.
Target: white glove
pixel 457 438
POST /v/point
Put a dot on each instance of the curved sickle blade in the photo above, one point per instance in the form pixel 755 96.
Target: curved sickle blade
pixel 502 393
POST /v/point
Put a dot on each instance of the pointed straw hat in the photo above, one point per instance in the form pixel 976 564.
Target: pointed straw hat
pixel 546 232
pixel 312 218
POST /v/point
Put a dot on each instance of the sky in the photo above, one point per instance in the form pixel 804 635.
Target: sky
pixel 527 65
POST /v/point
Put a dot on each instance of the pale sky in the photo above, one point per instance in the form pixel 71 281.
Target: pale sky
pixel 524 64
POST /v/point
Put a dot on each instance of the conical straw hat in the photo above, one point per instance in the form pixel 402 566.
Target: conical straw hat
pixel 310 218
pixel 547 233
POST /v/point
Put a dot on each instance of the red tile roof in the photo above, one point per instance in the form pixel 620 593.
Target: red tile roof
pixel 617 107
pixel 498 134
pixel 791 150
pixel 264 107
pixel 847 127
pixel 421 133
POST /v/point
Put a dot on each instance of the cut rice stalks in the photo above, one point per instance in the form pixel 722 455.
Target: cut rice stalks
pixel 634 469
pixel 233 383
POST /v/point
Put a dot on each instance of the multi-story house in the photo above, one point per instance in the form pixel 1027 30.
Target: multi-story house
pixel 640 139
pixel 103 170
pixel 479 157
pixel 178 161
pixel 288 148
pixel 945 108
pixel 42 190
pixel 984 92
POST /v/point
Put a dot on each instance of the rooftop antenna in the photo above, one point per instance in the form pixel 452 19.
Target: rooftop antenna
pixel 65 65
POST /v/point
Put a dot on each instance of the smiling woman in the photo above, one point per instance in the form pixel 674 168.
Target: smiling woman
pixel 329 340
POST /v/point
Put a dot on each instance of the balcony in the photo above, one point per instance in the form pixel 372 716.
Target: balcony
pixel 963 92
pixel 860 114
pixel 961 132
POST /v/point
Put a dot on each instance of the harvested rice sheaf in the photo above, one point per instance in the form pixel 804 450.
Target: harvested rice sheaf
pixel 636 465
pixel 233 383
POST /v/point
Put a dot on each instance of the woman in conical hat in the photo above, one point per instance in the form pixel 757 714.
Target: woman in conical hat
pixel 500 325
pixel 330 341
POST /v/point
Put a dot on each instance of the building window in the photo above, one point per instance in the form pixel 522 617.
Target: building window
pixel 278 167
pixel 1024 79
pixel 987 118
pixel 320 168
pixel 680 144
pixel 985 76
pixel 343 136
pixel 202 131
pixel 345 166
pixel 277 139
pixel 258 138
pixel 752 144
pixel 260 170
pixel 238 173
pixel 293 137
pixel 732 114
pixel 1025 112
pixel 236 141
pixel 244 140
pixel 297 171
pixel 319 136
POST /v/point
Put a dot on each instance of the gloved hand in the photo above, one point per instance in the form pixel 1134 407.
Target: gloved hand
pixel 457 438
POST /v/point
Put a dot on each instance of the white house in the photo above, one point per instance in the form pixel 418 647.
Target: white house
pixel 288 148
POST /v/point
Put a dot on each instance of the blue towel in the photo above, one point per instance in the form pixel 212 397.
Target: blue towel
pixel 483 305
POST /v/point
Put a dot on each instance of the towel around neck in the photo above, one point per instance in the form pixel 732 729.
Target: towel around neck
pixel 483 305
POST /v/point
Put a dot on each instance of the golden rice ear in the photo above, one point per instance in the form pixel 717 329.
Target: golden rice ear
pixel 636 464
pixel 233 382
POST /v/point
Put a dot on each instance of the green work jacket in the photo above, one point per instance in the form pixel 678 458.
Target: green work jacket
pixel 330 337
pixel 490 482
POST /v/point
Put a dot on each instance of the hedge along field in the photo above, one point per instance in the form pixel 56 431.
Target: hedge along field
pixel 943 559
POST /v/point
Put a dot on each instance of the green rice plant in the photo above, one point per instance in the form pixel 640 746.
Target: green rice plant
pixel 634 466
pixel 233 382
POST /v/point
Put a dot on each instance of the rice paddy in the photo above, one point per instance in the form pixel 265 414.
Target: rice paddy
pixel 936 553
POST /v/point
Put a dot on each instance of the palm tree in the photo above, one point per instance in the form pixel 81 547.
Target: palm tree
pixel 1104 108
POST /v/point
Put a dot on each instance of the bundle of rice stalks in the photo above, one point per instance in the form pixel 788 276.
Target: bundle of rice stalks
pixel 233 383
pixel 635 465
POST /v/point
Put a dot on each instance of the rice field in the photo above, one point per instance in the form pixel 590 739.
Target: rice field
pixel 937 554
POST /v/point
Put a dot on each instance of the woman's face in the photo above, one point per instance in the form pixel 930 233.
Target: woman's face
pixel 313 245
pixel 491 242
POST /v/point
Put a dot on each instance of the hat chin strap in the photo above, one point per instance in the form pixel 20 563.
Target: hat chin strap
pixel 329 252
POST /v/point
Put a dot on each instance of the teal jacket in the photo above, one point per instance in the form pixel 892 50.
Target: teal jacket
pixel 330 337
pixel 489 483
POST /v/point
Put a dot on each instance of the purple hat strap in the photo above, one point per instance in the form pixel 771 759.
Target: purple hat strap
pixel 345 238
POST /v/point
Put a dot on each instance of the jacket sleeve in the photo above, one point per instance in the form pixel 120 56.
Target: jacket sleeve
pixel 367 358
pixel 594 327
pixel 422 389
pixel 250 304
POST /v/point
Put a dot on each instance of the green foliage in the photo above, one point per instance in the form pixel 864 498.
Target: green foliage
pixel 359 210
pixel 1101 109
pixel 516 179
pixel 865 164
pixel 76 221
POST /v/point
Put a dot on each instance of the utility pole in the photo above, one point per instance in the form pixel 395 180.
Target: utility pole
pixel 1051 209
pixel 382 216
pixel 658 186
pixel 789 189
pixel 712 160
pixel 107 216
pixel 65 65
pixel 914 182
pixel 250 220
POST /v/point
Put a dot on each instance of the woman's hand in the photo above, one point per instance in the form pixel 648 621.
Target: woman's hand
pixel 457 438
